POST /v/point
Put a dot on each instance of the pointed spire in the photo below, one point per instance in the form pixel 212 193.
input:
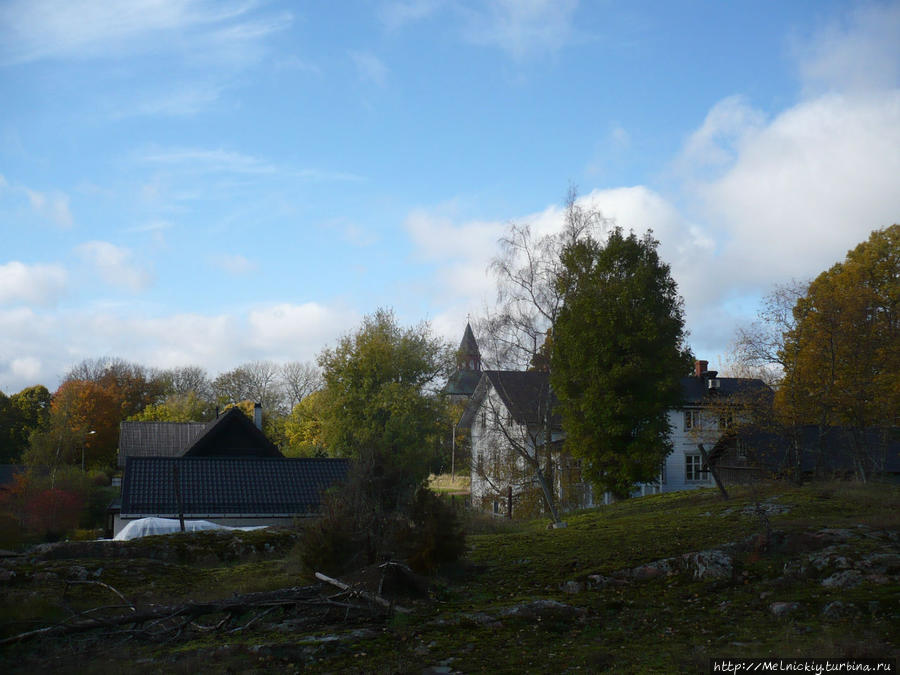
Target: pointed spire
pixel 469 356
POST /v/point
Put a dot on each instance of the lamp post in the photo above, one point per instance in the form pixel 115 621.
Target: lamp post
pixel 83 442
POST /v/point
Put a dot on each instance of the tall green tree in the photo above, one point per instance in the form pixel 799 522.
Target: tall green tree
pixel 21 414
pixel 617 356
pixel 845 344
pixel 380 404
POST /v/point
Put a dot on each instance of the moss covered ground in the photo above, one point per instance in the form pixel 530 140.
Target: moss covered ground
pixel 476 618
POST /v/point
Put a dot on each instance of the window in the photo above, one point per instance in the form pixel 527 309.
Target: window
pixel 692 420
pixel 662 474
pixel 725 420
pixel 740 448
pixel 692 467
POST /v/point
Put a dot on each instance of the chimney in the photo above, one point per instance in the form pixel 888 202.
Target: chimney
pixel 700 368
pixel 257 415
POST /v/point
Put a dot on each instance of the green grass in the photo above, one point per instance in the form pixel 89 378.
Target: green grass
pixel 668 624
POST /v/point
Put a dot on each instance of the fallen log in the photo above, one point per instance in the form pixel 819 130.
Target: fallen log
pixel 302 595
pixel 371 597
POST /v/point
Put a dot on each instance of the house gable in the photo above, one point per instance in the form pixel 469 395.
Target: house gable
pixel 232 435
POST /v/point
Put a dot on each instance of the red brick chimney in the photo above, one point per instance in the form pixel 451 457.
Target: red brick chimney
pixel 700 368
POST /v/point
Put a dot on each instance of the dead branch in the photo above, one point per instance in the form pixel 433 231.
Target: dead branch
pixel 103 585
pixel 372 597
pixel 191 611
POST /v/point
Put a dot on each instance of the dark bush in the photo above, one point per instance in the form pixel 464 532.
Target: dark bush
pixel 432 536
pixel 354 532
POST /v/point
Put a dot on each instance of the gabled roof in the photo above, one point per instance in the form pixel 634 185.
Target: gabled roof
pixel 695 390
pixel 232 434
pixel 523 393
pixel 156 439
pixel 217 487
pixel 462 383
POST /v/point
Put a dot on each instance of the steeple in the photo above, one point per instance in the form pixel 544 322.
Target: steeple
pixel 468 357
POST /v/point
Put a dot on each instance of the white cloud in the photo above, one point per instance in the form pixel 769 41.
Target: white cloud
pixel 204 160
pixel 115 265
pixel 285 329
pixel 402 12
pixel 180 101
pixel 728 123
pixel 152 226
pixel 52 205
pixel 370 68
pixel 32 30
pixel 359 236
pixel 26 369
pixel 805 187
pixel 218 160
pixel 522 27
pixel 235 265
pixel 32 284
pixel 42 347
pixel 858 52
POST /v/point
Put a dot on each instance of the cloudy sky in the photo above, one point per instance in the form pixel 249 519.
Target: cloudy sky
pixel 212 182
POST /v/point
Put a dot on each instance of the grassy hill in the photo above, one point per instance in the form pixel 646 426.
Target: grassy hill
pixel 656 584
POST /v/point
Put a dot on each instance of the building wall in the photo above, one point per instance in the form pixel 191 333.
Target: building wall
pixel 684 445
pixel 702 427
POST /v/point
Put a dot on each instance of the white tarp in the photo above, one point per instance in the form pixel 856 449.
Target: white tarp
pixel 144 527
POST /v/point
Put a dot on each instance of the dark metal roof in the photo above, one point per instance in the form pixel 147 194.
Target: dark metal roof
pixel 156 439
pixel 695 390
pixel 524 393
pixel 829 450
pixel 462 383
pixel 218 487
pixel 232 434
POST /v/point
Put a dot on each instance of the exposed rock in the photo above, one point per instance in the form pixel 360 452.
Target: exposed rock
pixel 843 579
pixel 766 508
pixel 881 563
pixel 543 609
pixel 573 587
pixel 78 573
pixel 600 581
pixel 783 608
pixel 712 564
pixel 839 610
pixel 838 534
pixel 829 558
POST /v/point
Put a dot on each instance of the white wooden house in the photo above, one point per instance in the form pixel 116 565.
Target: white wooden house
pixel 507 416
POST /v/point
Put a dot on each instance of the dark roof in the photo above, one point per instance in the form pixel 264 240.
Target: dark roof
pixel 831 451
pixel 468 345
pixel 156 439
pixel 217 487
pixel 695 390
pixel 524 393
pixel 232 434
pixel 462 383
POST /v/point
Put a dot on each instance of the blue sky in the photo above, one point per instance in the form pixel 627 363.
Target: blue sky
pixel 190 182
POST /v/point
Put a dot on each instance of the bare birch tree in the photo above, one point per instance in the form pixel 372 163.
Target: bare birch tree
pixel 529 299
pixel 299 380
